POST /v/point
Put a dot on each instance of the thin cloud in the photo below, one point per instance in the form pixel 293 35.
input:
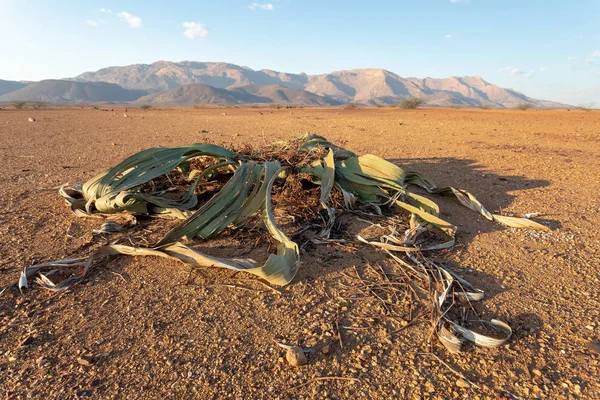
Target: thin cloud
pixel 589 62
pixel 544 68
pixel 513 71
pixel 510 71
pixel 577 37
pixel 132 20
pixel 596 53
pixel 194 30
pixel 92 23
pixel 459 1
pixel 261 6
pixel 448 36
pixel 571 58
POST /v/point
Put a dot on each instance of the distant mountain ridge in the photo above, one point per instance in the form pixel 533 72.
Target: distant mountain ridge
pixel 10 86
pixel 175 83
pixel 63 91
pixel 364 86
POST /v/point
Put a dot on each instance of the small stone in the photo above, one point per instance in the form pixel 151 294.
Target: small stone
pixel 537 372
pixel 85 361
pixel 83 393
pixel 12 358
pixel 125 115
pixel 31 119
pixel 42 361
pixel 462 383
pixel 577 389
pixel 593 347
pixel 325 349
pixel 295 356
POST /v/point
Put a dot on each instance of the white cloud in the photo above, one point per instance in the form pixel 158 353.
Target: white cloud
pixel 577 37
pixel 265 6
pixel 595 53
pixel 92 22
pixel 544 68
pixel 448 36
pixel 459 1
pixel 194 30
pixel 132 20
pixel 571 58
pixel 513 71
pixel 510 71
pixel 589 62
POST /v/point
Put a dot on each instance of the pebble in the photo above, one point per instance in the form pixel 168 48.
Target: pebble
pixel 325 349
pixel 83 393
pixel 85 361
pixel 31 119
pixel 42 361
pixel 462 383
pixel 295 356
pixel 537 372
pixel 593 347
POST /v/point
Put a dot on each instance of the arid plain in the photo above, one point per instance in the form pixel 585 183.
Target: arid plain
pixel 148 328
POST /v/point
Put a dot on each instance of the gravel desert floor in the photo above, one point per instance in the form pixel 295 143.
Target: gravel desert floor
pixel 153 328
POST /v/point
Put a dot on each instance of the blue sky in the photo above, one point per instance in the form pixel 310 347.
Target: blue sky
pixel 544 48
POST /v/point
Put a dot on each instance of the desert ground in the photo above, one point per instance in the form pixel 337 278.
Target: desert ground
pixel 154 328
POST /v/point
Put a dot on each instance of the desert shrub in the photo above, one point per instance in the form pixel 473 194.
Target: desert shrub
pixel 587 106
pixel 524 106
pixel 145 106
pixel 411 103
pixel 37 105
pixel 350 106
pixel 245 201
pixel 18 104
pixel 486 106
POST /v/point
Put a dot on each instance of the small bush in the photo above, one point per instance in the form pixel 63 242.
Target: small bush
pixel 37 105
pixel 587 106
pixel 145 106
pixel 411 103
pixel 524 106
pixel 487 106
pixel 18 104
pixel 350 106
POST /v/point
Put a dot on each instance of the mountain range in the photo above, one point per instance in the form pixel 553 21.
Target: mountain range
pixel 188 83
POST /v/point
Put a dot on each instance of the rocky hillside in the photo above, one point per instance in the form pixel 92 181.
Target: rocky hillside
pixel 63 91
pixel 200 93
pixel 365 86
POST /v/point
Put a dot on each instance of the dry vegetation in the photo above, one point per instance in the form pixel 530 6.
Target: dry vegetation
pixel 411 103
pixel 148 327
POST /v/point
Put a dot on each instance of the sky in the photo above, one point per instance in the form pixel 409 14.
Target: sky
pixel 544 48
